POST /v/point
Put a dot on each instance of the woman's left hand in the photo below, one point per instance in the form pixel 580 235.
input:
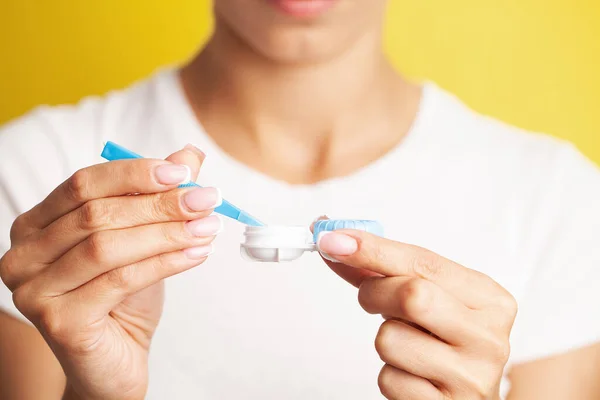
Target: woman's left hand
pixel 446 330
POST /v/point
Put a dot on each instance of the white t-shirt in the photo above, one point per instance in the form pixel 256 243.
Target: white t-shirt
pixel 521 207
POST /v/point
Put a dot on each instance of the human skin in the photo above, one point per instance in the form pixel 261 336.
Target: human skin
pixel 298 94
pixel 87 264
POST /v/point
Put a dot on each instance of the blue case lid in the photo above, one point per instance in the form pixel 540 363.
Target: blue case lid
pixel 328 225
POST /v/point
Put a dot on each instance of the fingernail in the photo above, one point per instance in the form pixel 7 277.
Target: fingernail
pixel 202 199
pixel 195 149
pixel 172 174
pixel 209 226
pixel 332 244
pixel 198 253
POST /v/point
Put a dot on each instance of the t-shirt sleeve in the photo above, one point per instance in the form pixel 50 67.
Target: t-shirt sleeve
pixel 560 308
pixel 31 165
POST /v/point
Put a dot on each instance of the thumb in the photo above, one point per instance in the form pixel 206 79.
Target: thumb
pixel 191 156
pixel 354 276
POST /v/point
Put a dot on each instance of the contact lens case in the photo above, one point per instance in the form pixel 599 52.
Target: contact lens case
pixel 288 243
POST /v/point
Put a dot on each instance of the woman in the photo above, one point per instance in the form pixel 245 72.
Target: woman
pixel 298 113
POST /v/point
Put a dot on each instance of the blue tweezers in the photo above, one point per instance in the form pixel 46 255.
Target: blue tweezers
pixel 113 151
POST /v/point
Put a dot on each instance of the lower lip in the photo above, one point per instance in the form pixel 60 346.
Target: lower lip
pixel 303 8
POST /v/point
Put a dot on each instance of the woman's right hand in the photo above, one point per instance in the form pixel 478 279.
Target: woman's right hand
pixel 86 265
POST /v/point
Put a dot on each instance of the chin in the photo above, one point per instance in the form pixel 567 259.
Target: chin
pixel 286 39
pixel 298 45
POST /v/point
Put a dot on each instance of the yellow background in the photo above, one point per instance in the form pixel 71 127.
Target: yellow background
pixel 532 63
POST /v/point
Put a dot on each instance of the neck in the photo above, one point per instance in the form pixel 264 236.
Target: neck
pixel 322 110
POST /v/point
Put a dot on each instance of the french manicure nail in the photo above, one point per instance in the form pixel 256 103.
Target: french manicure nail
pixel 201 199
pixel 204 227
pixel 335 244
pixel 198 253
pixel 172 174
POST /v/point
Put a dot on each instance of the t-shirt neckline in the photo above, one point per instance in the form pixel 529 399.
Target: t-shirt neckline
pixel 401 152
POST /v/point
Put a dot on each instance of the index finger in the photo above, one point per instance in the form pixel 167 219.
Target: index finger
pixel 390 258
pixel 115 178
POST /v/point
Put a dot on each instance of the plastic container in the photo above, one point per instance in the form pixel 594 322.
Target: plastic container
pixel 288 243
pixel 276 243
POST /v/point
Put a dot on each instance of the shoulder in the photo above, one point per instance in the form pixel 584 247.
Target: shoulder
pixel 514 159
pixel 477 137
pixel 47 144
pixel 93 119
